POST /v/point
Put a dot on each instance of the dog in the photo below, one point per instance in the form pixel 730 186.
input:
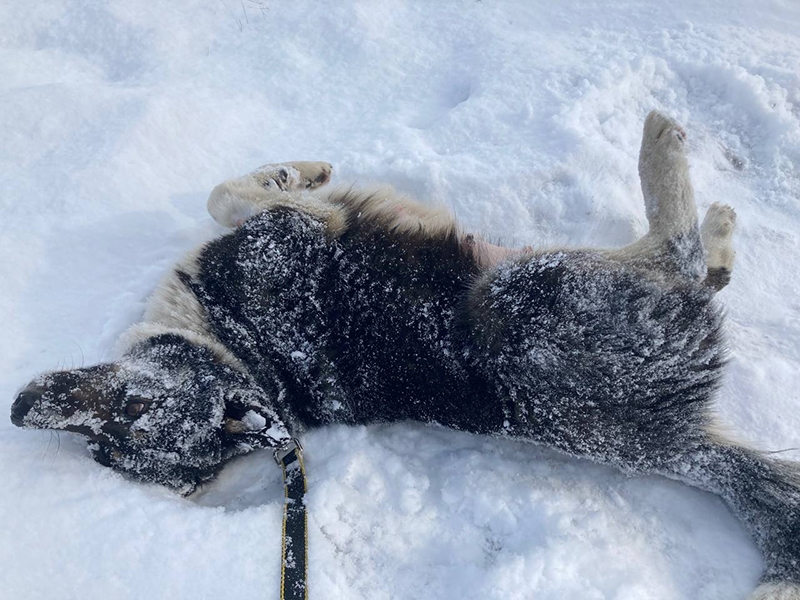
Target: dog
pixel 364 306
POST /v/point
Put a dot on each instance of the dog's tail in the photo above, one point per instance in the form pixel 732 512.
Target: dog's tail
pixel 765 495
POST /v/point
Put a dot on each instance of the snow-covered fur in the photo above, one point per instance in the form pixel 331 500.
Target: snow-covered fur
pixel 364 307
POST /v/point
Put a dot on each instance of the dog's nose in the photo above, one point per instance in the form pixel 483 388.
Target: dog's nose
pixel 23 404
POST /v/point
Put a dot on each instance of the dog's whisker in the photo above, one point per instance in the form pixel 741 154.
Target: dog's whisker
pixel 58 447
pixel 83 358
pixel 47 448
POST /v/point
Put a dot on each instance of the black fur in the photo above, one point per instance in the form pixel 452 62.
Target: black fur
pixel 381 326
pixel 718 278
pixel 358 329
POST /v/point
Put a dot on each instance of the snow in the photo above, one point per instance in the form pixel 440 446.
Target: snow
pixel 118 118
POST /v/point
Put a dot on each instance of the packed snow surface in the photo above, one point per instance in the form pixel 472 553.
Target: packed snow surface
pixel 117 118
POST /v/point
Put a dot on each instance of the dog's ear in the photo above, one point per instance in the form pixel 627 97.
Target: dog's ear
pixel 238 405
pixel 248 421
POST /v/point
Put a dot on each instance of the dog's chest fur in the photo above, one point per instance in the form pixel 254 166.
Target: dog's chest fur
pixel 367 326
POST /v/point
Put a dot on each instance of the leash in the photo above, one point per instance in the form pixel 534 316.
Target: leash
pixel 294 547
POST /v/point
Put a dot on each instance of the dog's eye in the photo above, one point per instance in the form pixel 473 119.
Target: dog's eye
pixel 134 409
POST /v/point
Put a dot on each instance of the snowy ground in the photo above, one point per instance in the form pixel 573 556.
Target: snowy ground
pixel 118 117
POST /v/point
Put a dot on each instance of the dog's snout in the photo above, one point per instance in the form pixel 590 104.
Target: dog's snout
pixel 23 404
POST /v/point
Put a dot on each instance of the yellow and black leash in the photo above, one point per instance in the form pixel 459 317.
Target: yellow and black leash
pixel 294 547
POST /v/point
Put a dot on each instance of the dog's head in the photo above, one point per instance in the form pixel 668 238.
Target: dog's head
pixel 169 412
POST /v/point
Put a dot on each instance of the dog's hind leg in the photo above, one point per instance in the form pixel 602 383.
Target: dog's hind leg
pixel 235 200
pixel 764 494
pixel 716 232
pixel 664 173
pixel 673 243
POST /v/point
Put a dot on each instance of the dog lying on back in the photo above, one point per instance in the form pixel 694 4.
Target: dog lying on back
pixel 365 307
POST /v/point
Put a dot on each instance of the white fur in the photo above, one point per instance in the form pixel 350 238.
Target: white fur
pixel 664 173
pixel 716 233
pixel 394 211
pixel 487 254
pixel 399 213
pixel 173 308
pixel 670 208
pixel 780 590
pixel 666 187
pixel 173 304
pixel 236 200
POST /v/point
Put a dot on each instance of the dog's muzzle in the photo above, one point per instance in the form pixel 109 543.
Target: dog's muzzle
pixel 24 403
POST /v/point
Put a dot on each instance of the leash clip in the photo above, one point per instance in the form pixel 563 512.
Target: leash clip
pixel 285 449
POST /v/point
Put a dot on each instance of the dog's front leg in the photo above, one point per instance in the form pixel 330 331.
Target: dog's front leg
pixel 235 200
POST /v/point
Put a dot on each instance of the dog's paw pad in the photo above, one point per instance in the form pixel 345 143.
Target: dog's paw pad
pixel 662 135
pixel 679 133
pixel 672 137
pixel 312 174
pixel 719 222
pixel 299 175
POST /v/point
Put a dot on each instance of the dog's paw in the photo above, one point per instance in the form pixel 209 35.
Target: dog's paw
pixel 662 136
pixel 290 176
pixel 717 233
pixel 664 173
pixel 719 223
pixel 313 174
pixel 236 200
pixel 777 590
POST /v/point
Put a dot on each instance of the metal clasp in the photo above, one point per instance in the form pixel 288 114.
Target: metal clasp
pixel 285 449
